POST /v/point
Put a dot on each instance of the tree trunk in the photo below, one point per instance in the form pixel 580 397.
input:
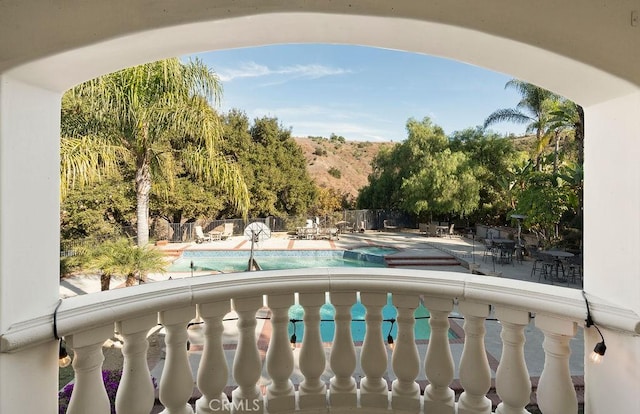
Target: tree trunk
pixel 105 280
pixel 131 280
pixel 556 153
pixel 143 188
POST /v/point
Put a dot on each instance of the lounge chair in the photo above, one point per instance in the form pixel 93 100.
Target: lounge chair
pixel 223 231
pixel 200 236
pixel 389 225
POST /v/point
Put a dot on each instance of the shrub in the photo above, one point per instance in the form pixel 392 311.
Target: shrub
pixel 320 151
pixel 334 172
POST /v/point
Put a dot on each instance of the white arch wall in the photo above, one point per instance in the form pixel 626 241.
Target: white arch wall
pixel 588 52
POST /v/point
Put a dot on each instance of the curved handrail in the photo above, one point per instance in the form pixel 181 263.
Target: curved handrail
pixel 86 311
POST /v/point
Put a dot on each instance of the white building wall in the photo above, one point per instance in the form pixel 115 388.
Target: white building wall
pixel 88 39
pixel 29 237
pixel 612 246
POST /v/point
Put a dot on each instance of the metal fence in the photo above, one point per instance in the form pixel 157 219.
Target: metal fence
pixel 185 232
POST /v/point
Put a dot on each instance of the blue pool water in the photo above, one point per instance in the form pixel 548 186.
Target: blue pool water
pixel 422 330
pixel 236 261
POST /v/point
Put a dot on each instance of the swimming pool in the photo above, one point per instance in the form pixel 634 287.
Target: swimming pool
pixel 230 261
pixel 422 330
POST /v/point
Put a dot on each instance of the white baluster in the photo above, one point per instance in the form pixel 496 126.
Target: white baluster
pixel 405 392
pixel 342 391
pixel 556 393
pixel 89 394
pixel 438 364
pixel 280 393
pixel 247 365
pixel 475 373
pixel 176 382
pixel 374 390
pixel 512 378
pixel 312 392
pixel 213 371
pixel 136 392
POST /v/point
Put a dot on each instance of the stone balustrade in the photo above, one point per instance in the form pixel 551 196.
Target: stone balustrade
pixel 87 321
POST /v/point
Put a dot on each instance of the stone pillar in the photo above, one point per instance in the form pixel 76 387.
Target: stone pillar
pixel 136 394
pixel 475 373
pixel 176 382
pixel 405 392
pixel 513 384
pixel 280 393
pixel 374 390
pixel 556 393
pixel 89 394
pixel 213 371
pixel 342 391
pixel 439 398
pixel 312 392
pixel 247 364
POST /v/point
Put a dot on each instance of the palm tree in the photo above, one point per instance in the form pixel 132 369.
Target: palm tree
pixel 149 117
pixel 121 257
pixel 533 110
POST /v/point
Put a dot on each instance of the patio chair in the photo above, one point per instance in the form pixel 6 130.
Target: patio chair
pixel 505 252
pixel 200 236
pixel 389 225
pixel 451 232
pixel 222 232
pixel 227 231
pixel 542 264
pixel 574 269
pixel 488 246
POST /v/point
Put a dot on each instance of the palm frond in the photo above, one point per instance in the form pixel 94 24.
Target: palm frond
pixel 507 115
pixel 87 160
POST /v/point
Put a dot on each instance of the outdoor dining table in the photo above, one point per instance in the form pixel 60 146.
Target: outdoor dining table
pixel 442 230
pixel 558 256
pixel 504 249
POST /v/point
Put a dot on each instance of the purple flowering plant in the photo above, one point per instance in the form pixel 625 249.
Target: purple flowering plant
pixel 111 379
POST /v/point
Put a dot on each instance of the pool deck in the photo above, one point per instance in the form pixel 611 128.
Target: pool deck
pixel 415 251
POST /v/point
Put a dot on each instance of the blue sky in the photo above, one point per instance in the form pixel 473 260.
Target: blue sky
pixel 358 92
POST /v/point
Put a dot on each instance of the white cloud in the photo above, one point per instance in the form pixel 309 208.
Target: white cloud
pixel 255 70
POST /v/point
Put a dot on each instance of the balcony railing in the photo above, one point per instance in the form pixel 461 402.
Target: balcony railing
pixel 87 321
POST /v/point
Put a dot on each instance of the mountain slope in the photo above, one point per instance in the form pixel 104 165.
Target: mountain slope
pixel 343 166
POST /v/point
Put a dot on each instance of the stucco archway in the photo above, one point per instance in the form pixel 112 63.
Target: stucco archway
pixel 585 52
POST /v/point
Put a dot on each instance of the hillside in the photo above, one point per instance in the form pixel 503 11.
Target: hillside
pixel 351 160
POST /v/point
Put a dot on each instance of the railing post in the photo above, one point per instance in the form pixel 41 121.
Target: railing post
pixel 281 396
pixel 374 390
pixel 556 392
pixel 247 365
pixel 405 392
pixel 135 392
pixel 475 373
pixel 342 391
pixel 439 398
pixel 213 371
pixel 176 382
pixel 89 394
pixel 312 392
pixel 513 384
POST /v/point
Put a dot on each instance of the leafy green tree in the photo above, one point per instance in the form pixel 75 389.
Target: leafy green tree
pixel 545 201
pixel 148 116
pixel 422 175
pixel 97 211
pixel 491 157
pixel 273 165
